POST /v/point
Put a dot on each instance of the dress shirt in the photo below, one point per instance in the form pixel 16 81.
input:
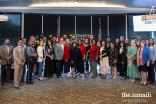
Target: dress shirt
pixel 62 46
pixel 24 45
pixel 7 46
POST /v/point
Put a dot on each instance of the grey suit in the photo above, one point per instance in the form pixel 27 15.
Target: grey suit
pixel 19 55
pixel 4 62
pixel 59 52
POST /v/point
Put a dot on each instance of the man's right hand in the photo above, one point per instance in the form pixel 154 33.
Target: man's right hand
pixel 8 58
pixel 22 64
pixel 58 58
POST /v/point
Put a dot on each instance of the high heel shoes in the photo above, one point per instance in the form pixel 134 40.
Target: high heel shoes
pixel 115 77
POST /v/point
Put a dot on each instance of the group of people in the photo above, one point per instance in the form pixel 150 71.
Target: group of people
pixel 119 56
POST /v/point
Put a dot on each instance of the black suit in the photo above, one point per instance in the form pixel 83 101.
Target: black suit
pixel 123 58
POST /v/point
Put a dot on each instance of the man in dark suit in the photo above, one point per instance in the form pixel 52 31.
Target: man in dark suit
pixel 6 53
pixel 126 42
pixel 108 42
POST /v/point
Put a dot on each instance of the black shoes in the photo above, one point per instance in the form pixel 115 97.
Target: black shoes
pixel 31 82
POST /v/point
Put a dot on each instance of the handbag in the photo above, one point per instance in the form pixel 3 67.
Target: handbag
pixel 134 61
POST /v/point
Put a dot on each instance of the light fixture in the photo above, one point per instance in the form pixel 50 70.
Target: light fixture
pixel 77 1
pixel 151 16
pixel 76 5
pixel 3 17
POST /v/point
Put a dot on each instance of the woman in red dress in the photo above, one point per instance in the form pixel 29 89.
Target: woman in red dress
pixel 81 53
pixel 66 58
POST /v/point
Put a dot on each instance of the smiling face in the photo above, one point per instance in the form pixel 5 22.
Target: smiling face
pixel 20 42
pixel 7 41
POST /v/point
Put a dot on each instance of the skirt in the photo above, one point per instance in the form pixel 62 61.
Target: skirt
pixel 143 68
pixel 104 66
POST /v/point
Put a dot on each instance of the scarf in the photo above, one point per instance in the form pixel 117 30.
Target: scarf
pixel 139 57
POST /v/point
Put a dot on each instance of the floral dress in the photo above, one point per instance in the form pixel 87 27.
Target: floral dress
pixel 132 70
pixel 113 55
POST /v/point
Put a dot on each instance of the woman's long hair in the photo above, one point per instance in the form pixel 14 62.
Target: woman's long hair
pixel 79 45
pixel 72 45
pixel 68 46
pixel 149 42
pixel 48 44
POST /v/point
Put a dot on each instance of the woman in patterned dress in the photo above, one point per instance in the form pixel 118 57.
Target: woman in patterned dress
pixel 132 70
pixel 104 61
pixel 113 59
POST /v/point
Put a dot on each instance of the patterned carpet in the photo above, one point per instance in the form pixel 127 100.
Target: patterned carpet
pixel 82 90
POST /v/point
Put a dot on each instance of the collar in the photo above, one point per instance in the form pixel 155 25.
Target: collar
pixel 7 45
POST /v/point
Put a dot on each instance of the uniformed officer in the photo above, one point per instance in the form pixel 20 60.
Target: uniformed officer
pixel 30 50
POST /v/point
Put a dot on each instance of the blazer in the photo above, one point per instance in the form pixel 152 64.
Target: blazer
pixel 104 50
pixel 19 55
pixel 58 51
pixel 153 52
pixel 66 53
pixel 124 57
pixel 49 51
pixel 4 53
pixel 40 53
pixel 73 54
pixel 83 50
pixel 146 55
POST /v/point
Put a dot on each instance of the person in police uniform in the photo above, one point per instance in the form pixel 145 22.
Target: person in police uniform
pixel 30 50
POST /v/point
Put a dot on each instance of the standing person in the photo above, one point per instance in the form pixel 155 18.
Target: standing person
pixel 66 58
pixel 73 58
pixel 132 69
pixel 49 62
pixel 117 44
pixel 126 42
pixel 30 50
pixel 24 45
pixel 6 53
pixel 94 53
pixel 44 41
pixel 81 52
pixel 107 43
pixel 99 41
pixel 73 40
pixel 36 39
pixel 87 55
pixel 19 61
pixel 91 37
pixel 138 39
pixel 64 39
pixel 59 52
pixel 122 60
pixel 146 42
pixel 151 73
pixel 41 58
pixel 143 61
pixel 34 45
pixel 113 60
pixel 121 38
pixel 136 42
pixel 104 61
pixel 41 36
pixel 50 37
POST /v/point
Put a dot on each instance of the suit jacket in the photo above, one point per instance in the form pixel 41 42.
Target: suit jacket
pixel 4 53
pixel 19 55
pixel 58 51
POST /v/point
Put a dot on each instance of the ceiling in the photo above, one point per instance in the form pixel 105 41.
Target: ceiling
pixel 27 6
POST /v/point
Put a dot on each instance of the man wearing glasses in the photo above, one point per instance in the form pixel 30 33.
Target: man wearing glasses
pixel 19 55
